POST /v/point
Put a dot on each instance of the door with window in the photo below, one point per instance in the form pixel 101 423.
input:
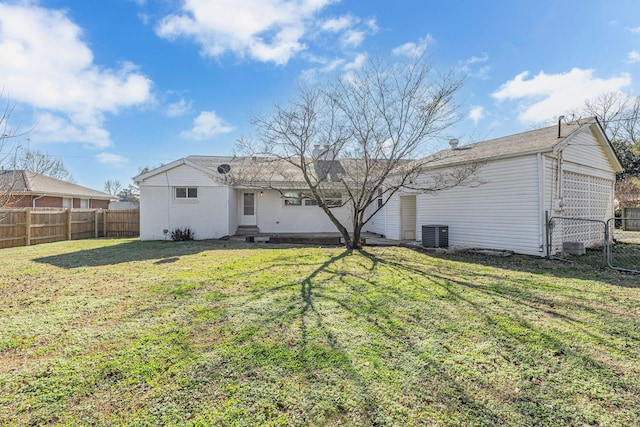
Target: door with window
pixel 248 209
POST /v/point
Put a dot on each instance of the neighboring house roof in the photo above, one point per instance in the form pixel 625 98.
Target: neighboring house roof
pixel 119 205
pixel 26 182
pixel 530 142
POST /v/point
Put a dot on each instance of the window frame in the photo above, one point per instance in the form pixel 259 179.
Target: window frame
pixel 188 193
pixel 300 198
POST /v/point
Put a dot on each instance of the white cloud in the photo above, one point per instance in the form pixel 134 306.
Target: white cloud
pixel 352 38
pixel 179 108
pixel 412 49
pixel 333 65
pixel 52 70
pixel 635 30
pixel 357 62
pixel 264 30
pixel 56 128
pixel 477 113
pixel 548 95
pixel 633 57
pixel 477 59
pixel 115 160
pixel 205 126
pixel 338 24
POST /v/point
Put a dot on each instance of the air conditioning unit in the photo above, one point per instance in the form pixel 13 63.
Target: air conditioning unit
pixel 435 236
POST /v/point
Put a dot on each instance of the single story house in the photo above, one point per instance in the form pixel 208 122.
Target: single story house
pixel 566 170
pixel 25 189
pixel 196 192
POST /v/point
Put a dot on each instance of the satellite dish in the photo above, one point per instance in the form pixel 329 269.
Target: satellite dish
pixel 224 169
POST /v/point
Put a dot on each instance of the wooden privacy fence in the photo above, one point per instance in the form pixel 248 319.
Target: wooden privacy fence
pixel 24 227
pixel 632 224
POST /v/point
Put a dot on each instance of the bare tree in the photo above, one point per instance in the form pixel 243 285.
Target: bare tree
pixel 42 163
pixel 357 141
pixel 130 194
pixel 112 187
pixel 628 192
pixel 619 115
pixel 8 150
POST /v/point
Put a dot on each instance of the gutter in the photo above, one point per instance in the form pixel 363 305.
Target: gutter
pixel 33 200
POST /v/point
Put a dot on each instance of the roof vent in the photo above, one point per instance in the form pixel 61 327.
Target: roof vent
pixel 559 126
pixel 453 142
pixel 224 169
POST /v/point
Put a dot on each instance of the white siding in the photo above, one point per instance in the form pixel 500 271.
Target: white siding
pixel 159 211
pixel 583 149
pixel 377 223
pixel 233 212
pixel 182 175
pixel 207 215
pixel 501 213
pixel 275 217
pixel 392 217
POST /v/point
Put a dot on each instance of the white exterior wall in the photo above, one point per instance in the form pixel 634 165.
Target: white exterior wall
pixel 584 180
pixel 233 211
pixel 207 215
pixel 501 213
pixel 275 217
pixel 584 150
pixel 377 223
pixel 392 218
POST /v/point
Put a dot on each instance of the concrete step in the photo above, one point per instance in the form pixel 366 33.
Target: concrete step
pixel 247 230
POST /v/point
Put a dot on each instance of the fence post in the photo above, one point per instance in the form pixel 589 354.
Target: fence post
pixel 68 224
pixel 95 223
pixel 27 227
pixel 547 234
pixel 104 224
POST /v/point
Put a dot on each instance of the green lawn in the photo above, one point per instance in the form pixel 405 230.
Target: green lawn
pixel 119 332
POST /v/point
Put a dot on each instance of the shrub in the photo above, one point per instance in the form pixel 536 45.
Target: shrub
pixel 182 234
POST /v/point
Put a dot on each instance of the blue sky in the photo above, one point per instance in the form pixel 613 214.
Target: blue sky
pixel 114 85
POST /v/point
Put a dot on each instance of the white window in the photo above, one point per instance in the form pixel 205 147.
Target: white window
pixel 292 199
pixel 333 200
pixel 182 193
pixel 67 202
pixel 84 203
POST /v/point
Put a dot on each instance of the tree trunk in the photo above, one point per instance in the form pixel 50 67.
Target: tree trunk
pixel 355 238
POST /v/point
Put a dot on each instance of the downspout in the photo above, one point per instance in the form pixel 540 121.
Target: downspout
pixel 542 225
pixel 228 213
pixel 33 201
pixel 170 195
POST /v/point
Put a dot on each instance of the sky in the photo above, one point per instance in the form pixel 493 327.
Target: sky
pixel 112 86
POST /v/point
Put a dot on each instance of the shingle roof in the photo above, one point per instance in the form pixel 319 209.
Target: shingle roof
pixel 22 181
pixel 253 169
pixel 533 141
pixel 257 170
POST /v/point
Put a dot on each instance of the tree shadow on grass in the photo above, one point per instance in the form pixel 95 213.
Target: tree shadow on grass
pixel 524 324
pixel 399 325
pixel 317 303
pixel 583 268
pixel 163 252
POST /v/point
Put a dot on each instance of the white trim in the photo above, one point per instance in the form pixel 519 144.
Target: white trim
pixel 157 171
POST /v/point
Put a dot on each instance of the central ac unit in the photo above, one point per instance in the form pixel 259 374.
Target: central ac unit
pixel 435 236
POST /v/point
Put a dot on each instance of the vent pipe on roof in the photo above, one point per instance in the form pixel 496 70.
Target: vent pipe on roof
pixel 453 142
pixel 559 123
